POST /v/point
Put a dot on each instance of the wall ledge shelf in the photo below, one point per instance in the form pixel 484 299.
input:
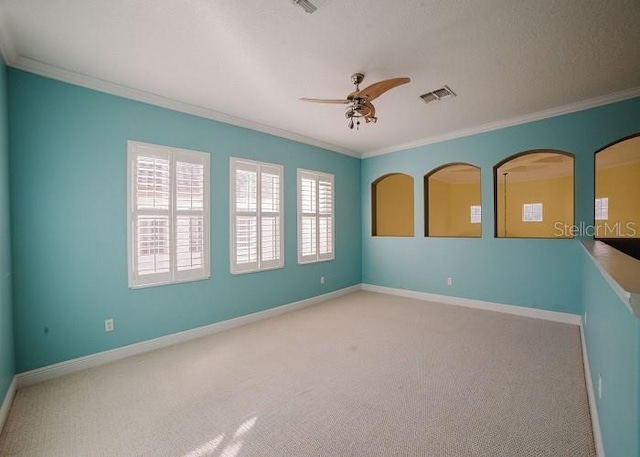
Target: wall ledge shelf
pixel 620 270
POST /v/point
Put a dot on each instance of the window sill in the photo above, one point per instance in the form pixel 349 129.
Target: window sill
pixel 311 262
pixel 168 283
pixel 621 271
pixel 255 270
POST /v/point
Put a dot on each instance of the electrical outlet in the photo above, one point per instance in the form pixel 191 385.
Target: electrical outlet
pixel 599 387
pixel 585 318
pixel 321 279
pixel 108 325
pixel 449 281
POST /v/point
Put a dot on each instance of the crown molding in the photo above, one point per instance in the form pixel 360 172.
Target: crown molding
pixel 537 116
pixel 15 60
pixel 90 82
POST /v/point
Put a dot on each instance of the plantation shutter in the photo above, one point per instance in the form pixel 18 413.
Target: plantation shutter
pixel 307 221
pixel 256 219
pixel 150 216
pixel 168 215
pixel 244 220
pixel 270 217
pixel 325 217
pixel 315 216
pixel 191 215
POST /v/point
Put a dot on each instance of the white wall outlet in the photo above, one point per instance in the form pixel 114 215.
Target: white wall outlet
pixel 599 387
pixel 449 281
pixel 321 279
pixel 108 325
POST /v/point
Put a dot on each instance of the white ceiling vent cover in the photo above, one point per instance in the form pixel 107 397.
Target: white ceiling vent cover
pixel 306 5
pixel 438 94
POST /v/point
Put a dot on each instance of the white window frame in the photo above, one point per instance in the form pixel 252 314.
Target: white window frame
pixel 173 155
pixel 475 214
pixel 258 167
pixel 532 209
pixel 318 177
pixel 602 209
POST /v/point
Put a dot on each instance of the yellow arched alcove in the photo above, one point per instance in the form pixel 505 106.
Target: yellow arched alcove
pixel 617 197
pixel 452 197
pixel 534 195
pixel 392 205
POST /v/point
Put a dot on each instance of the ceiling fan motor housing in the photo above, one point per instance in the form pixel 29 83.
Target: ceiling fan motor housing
pixel 357 78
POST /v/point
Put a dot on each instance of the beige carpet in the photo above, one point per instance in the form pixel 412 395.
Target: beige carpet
pixel 363 375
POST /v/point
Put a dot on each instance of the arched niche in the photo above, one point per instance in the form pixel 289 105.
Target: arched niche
pixel 617 193
pixel 392 205
pixel 534 195
pixel 452 199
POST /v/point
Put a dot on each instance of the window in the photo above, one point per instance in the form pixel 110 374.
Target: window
pixel 168 215
pixel 315 216
pixel 476 214
pixel 532 212
pixel 602 209
pixel 256 216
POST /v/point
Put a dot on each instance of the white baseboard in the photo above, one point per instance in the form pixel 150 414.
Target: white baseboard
pixel 593 407
pixel 555 316
pixel 520 311
pixel 6 403
pixel 57 370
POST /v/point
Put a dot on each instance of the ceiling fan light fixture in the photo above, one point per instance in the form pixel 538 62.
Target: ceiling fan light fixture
pixel 358 103
pixel 306 5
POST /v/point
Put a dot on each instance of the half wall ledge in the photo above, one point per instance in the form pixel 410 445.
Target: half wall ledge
pixel 621 271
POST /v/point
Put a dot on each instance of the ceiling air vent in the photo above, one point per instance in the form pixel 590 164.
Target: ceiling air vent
pixel 306 5
pixel 438 94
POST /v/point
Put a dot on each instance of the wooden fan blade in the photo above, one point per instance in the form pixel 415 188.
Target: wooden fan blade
pixel 367 111
pixel 377 89
pixel 324 100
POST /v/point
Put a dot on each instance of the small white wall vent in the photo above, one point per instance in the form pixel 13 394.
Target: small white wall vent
pixel 438 94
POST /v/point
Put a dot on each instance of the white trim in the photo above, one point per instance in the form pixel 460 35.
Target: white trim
pixel 593 407
pixel 8 400
pixel 537 116
pixel 101 85
pixel 554 316
pixel 90 82
pixel 64 368
pixel 57 370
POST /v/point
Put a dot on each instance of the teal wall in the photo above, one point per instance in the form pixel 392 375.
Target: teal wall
pixel 6 320
pixel 613 336
pixel 68 195
pixel 542 273
pixel 68 220
pixel 550 274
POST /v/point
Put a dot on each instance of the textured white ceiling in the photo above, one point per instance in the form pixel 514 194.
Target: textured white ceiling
pixel 624 153
pixel 539 166
pixel 253 59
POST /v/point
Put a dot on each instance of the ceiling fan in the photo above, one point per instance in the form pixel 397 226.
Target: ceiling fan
pixel 358 102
